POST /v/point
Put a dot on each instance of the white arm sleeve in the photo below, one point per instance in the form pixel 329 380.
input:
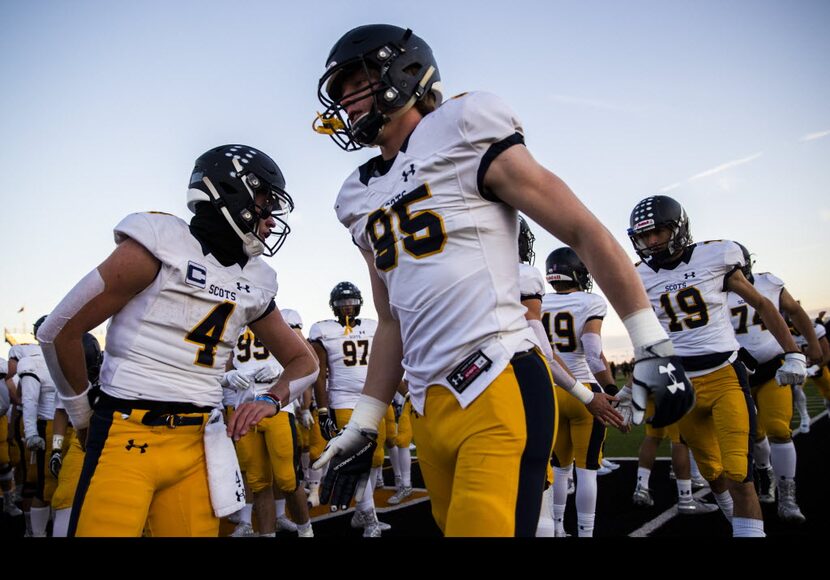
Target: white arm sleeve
pixel 592 345
pixel 29 395
pixel 544 343
pixel 298 386
pixel 88 288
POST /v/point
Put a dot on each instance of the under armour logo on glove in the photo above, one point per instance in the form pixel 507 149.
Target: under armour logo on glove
pixel 674 386
pixel 350 454
pixel 131 444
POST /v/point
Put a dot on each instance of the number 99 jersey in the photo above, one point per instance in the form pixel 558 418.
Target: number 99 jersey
pixel 171 341
pixel 348 358
pixel 445 248
pixel 690 298
pixel 564 317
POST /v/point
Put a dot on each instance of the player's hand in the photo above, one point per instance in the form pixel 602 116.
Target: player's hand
pixel 328 423
pixel 793 371
pixel 350 457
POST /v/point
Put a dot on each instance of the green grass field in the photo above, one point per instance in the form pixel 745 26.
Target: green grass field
pixel 628 445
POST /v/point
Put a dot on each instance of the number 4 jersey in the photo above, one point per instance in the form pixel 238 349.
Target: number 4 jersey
pixel 348 358
pixel 171 341
pixel 444 247
pixel 690 299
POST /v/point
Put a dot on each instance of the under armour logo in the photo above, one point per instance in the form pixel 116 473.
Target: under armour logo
pixel 240 495
pixel 411 171
pixel 246 287
pixel 688 275
pixel 131 444
pixel 674 386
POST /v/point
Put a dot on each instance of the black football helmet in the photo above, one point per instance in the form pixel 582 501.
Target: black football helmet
pixel 403 71
pixel 563 265
pixel 748 263
pixel 526 239
pixel 345 294
pixel 38 323
pixel 94 357
pixel 654 212
pixel 230 177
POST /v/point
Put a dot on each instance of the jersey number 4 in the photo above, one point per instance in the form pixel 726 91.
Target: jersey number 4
pixel 208 333
pixel 691 303
pixel 424 230
pixel 742 312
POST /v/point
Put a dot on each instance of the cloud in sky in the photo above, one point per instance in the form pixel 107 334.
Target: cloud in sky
pixel 814 136
pixel 668 188
pixel 724 167
pixel 591 103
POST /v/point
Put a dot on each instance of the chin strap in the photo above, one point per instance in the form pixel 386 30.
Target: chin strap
pixel 250 243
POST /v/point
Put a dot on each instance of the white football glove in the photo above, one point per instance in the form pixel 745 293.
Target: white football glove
pixel 237 380
pixel 266 374
pixel 813 371
pixel 35 442
pixel 305 418
pixel 627 408
pixel 793 371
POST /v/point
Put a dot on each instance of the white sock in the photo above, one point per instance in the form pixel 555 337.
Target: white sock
pixel 643 475
pixel 60 523
pixel 368 501
pixel 725 504
pixel 747 528
pixel 586 501
pixel 762 453
pixel 405 461
pixel 279 504
pixel 560 495
pixel 304 527
pixel 586 524
pixel 393 459
pixel 245 514
pixel 40 517
pixel 305 460
pixel 693 464
pixel 684 489
pixel 783 458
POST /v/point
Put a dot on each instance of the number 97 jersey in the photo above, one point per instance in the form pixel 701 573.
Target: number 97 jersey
pixel 347 351
pixel 690 297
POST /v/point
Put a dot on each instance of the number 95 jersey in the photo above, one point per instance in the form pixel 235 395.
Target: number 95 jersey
pixel 690 297
pixel 171 341
pixel 445 248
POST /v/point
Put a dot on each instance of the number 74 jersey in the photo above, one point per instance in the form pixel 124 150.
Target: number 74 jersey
pixel 690 297
pixel 347 351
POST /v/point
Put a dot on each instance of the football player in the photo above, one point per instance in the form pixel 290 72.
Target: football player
pixel 6 469
pixel 67 456
pixel 178 295
pixel 434 215
pixel 37 395
pixel 775 455
pixel 687 284
pixel 343 345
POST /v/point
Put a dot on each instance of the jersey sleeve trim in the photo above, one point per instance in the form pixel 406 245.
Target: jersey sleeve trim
pixel 494 151
pixel 268 310
pixel 727 275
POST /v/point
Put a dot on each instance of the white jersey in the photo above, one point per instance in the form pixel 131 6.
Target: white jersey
pixel 249 356
pixel 801 342
pixel 750 330
pixel 690 300
pixel 531 282
pixel 37 392
pixel 171 341
pixel 21 351
pixel 348 358
pixel 292 318
pixel 564 317
pixel 445 249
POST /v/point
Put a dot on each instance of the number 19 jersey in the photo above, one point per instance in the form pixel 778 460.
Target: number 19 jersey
pixel 564 317
pixel 690 299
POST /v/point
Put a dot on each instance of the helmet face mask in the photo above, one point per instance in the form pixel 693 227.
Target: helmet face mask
pixel 652 213
pixel 748 263
pixel 526 239
pixel 563 265
pixel 246 187
pixel 399 69
pixel 345 296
